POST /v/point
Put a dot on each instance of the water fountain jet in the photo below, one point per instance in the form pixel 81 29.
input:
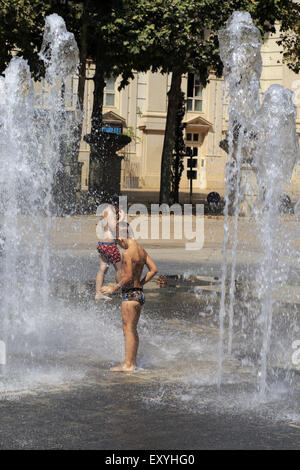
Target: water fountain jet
pixel 32 139
pixel 262 135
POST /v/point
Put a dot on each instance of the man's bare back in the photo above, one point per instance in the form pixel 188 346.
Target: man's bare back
pixel 137 257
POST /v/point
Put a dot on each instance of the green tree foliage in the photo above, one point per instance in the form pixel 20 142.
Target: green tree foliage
pixel 21 30
pixel 101 29
pixel 291 44
pixel 120 36
pixel 103 34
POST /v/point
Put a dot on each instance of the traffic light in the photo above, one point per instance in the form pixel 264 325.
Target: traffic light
pixel 192 162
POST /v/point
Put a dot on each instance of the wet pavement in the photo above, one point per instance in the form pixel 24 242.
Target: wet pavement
pixel 62 395
pixel 109 416
pixel 57 392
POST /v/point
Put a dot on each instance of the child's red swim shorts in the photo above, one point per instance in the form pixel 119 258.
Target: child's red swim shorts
pixel 109 252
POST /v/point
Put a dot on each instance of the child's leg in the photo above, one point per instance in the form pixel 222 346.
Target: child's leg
pixel 103 266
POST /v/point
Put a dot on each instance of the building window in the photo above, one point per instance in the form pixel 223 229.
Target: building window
pixel 109 92
pixel 189 136
pixel 194 93
pixel 195 137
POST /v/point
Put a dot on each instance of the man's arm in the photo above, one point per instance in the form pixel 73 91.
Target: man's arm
pixel 152 270
pixel 126 276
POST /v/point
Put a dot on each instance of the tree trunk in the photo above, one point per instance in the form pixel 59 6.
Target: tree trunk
pixel 83 55
pixel 77 166
pixel 99 85
pixel 96 155
pixel 95 139
pixel 169 140
pixel 176 179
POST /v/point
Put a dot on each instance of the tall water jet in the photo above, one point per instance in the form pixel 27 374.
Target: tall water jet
pixel 32 140
pixel 60 55
pixel 19 154
pixel 264 137
pixel 273 146
pixel 240 45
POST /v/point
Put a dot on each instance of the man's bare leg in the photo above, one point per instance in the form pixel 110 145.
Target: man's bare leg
pixel 99 280
pixel 131 311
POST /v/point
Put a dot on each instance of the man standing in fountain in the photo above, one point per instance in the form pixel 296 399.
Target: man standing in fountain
pixel 134 258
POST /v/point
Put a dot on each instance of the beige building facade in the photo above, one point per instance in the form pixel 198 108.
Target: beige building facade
pixel 141 108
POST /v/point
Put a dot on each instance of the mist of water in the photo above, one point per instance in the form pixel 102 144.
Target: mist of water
pixel 33 139
pixel 261 136
pixel 275 150
pixel 32 142
pixel 240 45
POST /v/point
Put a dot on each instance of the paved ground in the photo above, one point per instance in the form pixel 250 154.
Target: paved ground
pixel 110 412
pixel 109 416
pixel 77 235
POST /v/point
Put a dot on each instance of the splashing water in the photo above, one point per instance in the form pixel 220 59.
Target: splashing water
pixel 262 137
pixel 274 131
pixel 240 45
pixel 32 139
pixel 60 56
pixel 59 49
